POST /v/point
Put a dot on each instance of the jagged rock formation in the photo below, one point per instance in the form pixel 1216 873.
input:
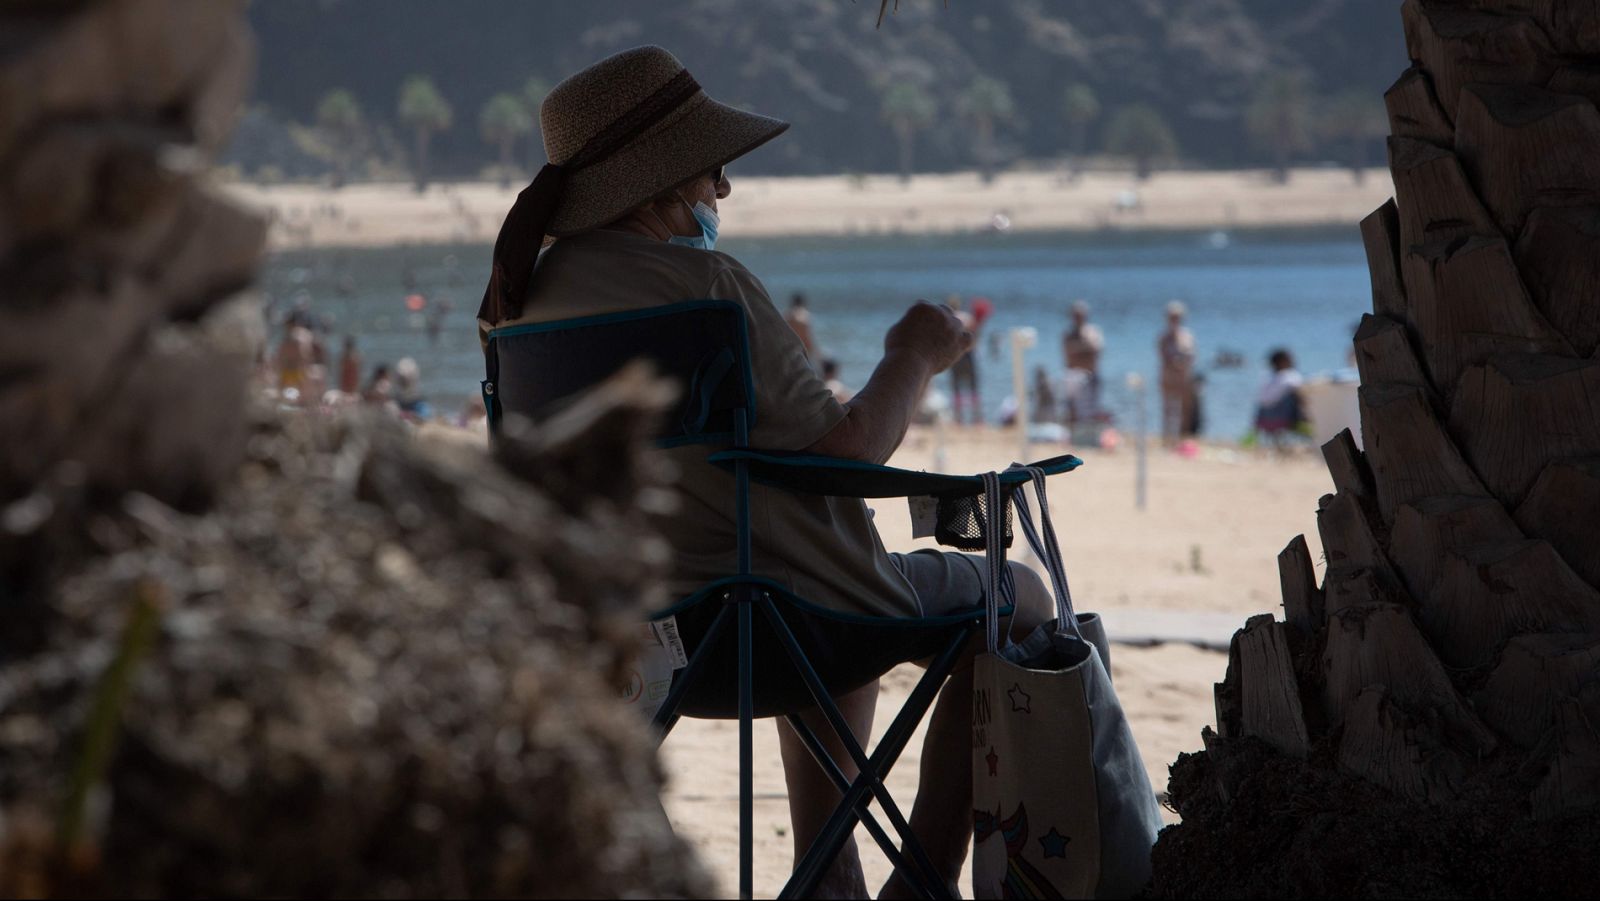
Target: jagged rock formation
pixel 245 653
pixel 1427 720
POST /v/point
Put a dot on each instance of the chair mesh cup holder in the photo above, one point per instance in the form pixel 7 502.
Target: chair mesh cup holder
pixel 960 521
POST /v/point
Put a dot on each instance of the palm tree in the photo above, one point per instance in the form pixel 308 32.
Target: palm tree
pixel 425 111
pixel 1080 107
pixel 1139 132
pixel 1279 119
pixel 502 121
pixel 908 109
pixel 1440 683
pixel 986 102
pixel 1355 119
pixel 534 91
pixel 340 118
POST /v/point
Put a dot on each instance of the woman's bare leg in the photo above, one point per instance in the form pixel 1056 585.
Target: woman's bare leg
pixel 812 797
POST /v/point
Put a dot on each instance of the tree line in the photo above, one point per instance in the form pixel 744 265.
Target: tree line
pixel 1284 119
pixel 423 110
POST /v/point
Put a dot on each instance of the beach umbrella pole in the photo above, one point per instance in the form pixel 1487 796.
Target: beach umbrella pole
pixel 1021 339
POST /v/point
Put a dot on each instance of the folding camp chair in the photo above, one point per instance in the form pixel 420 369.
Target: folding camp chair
pixel 734 621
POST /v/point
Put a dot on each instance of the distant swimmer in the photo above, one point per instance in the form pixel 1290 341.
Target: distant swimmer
pixel 964 374
pixel 799 319
pixel 1176 348
pixel 350 367
pixel 836 387
pixel 1081 348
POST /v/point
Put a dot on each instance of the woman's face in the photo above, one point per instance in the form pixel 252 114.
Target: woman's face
pixel 706 189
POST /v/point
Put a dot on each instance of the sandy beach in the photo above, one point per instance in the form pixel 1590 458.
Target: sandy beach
pixel 381 215
pixel 1207 541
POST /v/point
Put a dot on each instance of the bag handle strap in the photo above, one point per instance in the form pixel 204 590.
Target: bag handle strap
pixel 994 549
pixel 1046 547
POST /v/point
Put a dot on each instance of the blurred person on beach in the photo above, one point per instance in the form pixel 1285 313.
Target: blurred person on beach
pixel 964 374
pixel 380 388
pixel 408 390
pixel 1081 347
pixel 473 415
pixel 1176 349
pixel 1194 417
pixel 437 312
pixel 799 319
pixel 830 377
pixel 350 367
pixel 296 362
pixel 633 214
pixel 1280 407
pixel 1045 406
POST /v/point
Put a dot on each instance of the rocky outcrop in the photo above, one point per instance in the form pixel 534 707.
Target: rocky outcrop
pixel 252 653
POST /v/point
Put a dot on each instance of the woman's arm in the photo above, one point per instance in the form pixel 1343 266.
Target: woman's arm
pixel 925 342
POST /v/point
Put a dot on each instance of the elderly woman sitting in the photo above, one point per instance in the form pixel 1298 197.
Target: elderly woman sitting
pixel 631 200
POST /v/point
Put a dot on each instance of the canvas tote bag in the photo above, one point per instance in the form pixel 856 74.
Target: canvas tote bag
pixel 1062 806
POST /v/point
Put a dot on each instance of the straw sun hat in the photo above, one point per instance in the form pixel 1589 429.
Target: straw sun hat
pixel 617 134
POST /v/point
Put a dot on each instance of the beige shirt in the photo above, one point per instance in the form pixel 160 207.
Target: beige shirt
pixel 823 549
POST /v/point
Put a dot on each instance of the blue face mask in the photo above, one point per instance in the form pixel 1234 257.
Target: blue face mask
pixel 709 221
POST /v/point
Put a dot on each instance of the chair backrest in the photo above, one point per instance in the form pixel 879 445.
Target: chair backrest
pixel 704 345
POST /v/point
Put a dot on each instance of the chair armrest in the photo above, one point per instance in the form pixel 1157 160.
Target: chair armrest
pixel 838 477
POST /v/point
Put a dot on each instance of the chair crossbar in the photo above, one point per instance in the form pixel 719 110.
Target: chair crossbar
pixel 910 859
pixel 809 871
pixel 830 710
pixel 842 783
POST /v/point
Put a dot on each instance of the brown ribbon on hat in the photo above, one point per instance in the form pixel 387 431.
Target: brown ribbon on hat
pixel 516 249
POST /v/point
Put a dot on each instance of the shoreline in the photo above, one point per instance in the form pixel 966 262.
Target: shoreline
pixel 376 215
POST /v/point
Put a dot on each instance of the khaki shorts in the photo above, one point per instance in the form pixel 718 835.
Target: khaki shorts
pixel 949 582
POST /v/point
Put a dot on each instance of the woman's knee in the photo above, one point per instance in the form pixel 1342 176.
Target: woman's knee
pixel 1036 605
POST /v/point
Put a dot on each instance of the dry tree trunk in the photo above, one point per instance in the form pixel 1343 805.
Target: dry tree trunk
pixel 1427 721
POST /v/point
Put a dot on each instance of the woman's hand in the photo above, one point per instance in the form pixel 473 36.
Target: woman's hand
pixel 932 332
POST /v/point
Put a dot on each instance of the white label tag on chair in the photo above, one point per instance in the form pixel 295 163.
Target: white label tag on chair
pixel 924 515
pixel 667 633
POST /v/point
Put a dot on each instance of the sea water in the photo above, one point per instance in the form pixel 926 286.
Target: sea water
pixel 1247 293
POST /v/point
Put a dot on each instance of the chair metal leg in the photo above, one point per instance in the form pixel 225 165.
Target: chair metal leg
pixel 832 837
pixel 873 769
pixel 835 775
pixel 835 719
pixel 667 716
pixel 746 747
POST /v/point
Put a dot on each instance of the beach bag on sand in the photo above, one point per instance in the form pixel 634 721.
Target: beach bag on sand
pixel 1062 806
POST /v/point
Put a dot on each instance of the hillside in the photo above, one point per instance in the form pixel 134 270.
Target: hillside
pixel 822 64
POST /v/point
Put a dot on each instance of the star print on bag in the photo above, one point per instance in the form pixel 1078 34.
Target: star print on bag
pixel 1025 705
pixel 1054 843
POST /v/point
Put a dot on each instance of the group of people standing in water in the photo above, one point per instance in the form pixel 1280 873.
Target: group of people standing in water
pixel 300 366
pixel 1075 398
